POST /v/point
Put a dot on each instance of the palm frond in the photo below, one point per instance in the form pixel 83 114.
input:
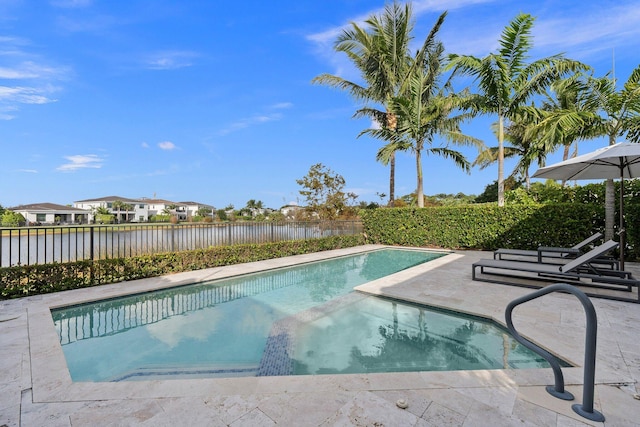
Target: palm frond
pixel 489 156
pixel 539 75
pixel 458 158
pixel 355 90
pixel 386 152
pixel 515 42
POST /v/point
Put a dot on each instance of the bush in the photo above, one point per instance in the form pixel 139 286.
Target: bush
pixel 483 226
pixel 105 219
pixel 159 218
pixel 12 219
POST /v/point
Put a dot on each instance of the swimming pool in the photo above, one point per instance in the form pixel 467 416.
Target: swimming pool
pixel 271 323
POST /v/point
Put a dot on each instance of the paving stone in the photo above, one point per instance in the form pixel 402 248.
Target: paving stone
pixel 474 398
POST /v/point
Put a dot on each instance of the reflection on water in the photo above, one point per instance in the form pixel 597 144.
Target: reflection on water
pixel 223 324
pixel 380 335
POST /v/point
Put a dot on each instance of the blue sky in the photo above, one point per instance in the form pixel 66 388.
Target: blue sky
pixel 213 102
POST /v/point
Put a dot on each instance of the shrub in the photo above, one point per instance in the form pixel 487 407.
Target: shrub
pixel 12 219
pixel 482 226
pixel 105 218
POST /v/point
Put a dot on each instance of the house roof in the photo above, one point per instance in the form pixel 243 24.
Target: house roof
pixel 196 204
pixel 141 200
pixel 109 199
pixel 159 201
pixel 46 207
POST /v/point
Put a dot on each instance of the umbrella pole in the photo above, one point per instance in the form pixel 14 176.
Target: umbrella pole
pixel 622 229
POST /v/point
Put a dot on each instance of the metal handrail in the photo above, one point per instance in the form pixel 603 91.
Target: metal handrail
pixel 586 409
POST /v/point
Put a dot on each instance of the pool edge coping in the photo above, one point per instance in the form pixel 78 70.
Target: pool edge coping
pixel 51 381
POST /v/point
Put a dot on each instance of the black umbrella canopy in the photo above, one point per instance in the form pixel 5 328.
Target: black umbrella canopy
pixel 621 160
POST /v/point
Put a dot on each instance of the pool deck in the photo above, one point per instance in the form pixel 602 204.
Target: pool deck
pixel 36 389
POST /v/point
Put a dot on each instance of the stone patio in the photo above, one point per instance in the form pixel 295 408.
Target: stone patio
pixel 36 388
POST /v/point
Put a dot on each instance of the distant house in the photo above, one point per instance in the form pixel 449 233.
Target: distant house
pixel 51 213
pixel 192 208
pixel 164 207
pixel 289 211
pixel 122 208
pixel 138 211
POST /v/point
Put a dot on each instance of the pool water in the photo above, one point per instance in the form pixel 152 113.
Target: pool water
pixel 292 321
pixel 380 335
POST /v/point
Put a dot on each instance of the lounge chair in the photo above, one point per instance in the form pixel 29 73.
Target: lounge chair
pixel 548 251
pixel 557 255
pixel 582 267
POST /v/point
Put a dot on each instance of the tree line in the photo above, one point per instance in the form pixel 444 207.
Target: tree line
pixel 540 105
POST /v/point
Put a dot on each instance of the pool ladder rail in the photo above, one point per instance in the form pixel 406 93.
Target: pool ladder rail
pixel 586 408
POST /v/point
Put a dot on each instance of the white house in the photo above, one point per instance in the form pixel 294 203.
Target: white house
pixel 161 207
pixel 51 213
pixel 289 211
pixel 139 211
pixel 192 208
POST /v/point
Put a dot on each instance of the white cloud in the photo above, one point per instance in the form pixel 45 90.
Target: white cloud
pixel 166 145
pixel 28 78
pixel 32 70
pixel 24 95
pixel 250 121
pixel 573 29
pixel 323 41
pixel 591 31
pixel 28 170
pixel 281 106
pixel 615 26
pixel 81 161
pixel 15 73
pixel 144 145
pixel 170 60
pixel 198 326
pixel 71 4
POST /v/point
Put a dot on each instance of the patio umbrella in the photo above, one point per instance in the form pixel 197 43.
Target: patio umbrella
pixel 621 160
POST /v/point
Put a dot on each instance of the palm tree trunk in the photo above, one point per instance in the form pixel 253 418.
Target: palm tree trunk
pixel 500 160
pixel 565 156
pixel 392 123
pixel 609 203
pixel 609 209
pixel 419 189
pixel 392 179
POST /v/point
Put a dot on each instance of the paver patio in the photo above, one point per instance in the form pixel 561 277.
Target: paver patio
pixel 36 389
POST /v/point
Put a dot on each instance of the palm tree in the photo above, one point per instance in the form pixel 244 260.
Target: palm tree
pixel 569 114
pixel 170 211
pixel 119 205
pixel 507 82
pixel 524 145
pixel 423 111
pixel 381 52
pixel 621 119
pixel 253 207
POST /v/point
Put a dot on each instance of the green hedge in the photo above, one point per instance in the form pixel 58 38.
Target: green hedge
pixel 483 226
pixel 22 281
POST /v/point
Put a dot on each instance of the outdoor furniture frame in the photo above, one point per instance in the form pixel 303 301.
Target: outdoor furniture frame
pixel 548 251
pixel 556 254
pixel 575 271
